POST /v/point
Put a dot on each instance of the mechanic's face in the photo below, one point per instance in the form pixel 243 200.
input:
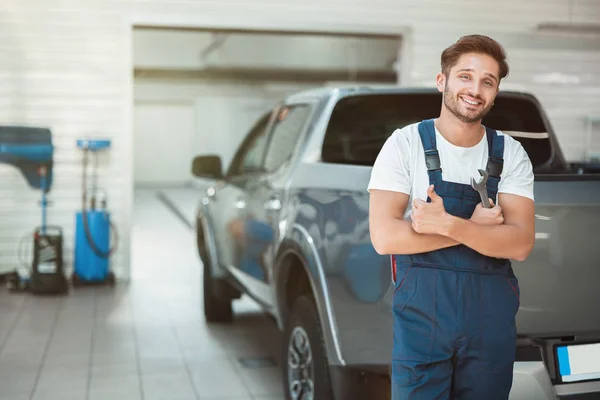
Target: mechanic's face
pixel 470 87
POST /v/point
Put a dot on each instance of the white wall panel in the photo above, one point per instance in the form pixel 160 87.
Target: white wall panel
pixel 164 136
pixel 224 111
pixel 66 64
pixel 64 70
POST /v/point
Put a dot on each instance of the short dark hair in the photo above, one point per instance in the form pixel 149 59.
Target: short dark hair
pixel 474 44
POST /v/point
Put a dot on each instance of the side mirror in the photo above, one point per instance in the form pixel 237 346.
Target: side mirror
pixel 207 167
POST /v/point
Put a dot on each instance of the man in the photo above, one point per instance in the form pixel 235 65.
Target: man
pixel 455 295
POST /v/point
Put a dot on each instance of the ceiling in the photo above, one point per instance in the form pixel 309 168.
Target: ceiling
pixel 198 53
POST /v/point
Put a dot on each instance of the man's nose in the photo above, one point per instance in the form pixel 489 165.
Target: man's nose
pixel 476 89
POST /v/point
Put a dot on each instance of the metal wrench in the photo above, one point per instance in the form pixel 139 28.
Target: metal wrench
pixel 482 188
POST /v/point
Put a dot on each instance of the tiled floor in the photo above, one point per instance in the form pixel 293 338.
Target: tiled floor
pixel 145 340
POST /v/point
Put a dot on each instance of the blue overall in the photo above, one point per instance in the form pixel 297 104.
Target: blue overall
pixel 454 309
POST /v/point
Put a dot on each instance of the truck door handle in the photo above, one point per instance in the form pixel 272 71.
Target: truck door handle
pixel 273 204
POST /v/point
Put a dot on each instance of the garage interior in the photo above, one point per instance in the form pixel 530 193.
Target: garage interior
pixel 166 81
pixel 195 91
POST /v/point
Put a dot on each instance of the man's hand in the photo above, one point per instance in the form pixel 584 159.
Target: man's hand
pixel 391 234
pixel 513 239
pixel 488 216
pixel 429 218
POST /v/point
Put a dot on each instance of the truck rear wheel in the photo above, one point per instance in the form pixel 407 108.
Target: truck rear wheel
pixel 304 362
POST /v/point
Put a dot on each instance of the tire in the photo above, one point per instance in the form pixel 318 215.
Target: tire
pixel 303 323
pixel 217 309
pixel 217 305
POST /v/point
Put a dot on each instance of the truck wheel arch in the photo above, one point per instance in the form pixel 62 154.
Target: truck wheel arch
pixel 206 242
pixel 293 278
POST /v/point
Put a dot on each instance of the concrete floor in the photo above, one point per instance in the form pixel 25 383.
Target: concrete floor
pixel 144 340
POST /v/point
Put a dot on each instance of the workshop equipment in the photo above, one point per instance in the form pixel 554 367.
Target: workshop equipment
pixel 47 275
pixel 481 187
pixel 30 149
pixel 93 226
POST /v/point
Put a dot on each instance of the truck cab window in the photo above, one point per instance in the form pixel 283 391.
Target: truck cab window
pixel 360 125
pixel 249 156
pixel 285 134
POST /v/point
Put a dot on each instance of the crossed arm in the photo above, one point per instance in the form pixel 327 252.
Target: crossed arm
pixel 434 229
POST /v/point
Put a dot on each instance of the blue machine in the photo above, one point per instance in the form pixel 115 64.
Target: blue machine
pixel 30 149
pixel 92 226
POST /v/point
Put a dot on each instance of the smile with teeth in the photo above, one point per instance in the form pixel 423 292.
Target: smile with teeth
pixel 471 102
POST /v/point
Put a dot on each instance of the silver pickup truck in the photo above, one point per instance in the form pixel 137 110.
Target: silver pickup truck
pixel 287 224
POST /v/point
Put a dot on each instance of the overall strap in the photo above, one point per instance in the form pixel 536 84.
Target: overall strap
pixel 495 162
pixel 432 157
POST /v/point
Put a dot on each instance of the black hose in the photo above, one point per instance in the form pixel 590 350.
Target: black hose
pixel 86 228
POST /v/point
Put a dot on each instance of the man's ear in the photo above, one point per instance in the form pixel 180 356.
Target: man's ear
pixel 440 81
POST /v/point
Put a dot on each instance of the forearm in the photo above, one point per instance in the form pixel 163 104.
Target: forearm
pixel 398 237
pixel 500 241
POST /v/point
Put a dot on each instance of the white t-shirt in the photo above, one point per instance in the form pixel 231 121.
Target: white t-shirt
pixel 400 165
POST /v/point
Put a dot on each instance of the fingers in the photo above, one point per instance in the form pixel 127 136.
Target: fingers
pixel 414 222
pixel 417 203
pixel 432 194
pixel 415 227
pixel 493 206
pixel 497 210
pixel 498 215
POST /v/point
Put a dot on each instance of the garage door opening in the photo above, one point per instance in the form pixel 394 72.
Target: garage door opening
pixel 200 90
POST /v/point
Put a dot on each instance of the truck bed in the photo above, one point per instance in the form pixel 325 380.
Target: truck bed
pixel 558 281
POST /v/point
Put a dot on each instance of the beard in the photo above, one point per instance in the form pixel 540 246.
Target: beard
pixel 455 106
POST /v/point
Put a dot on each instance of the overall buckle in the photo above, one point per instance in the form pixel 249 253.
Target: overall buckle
pixel 432 160
pixel 495 166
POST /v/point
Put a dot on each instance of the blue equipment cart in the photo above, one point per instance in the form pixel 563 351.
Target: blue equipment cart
pixel 93 226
